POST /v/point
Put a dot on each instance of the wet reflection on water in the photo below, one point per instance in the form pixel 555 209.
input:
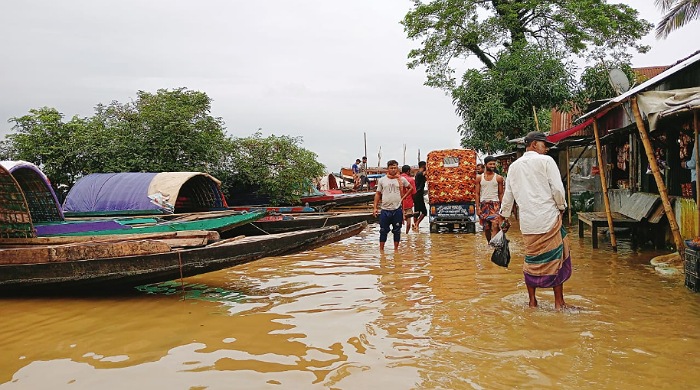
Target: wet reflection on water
pixel 435 314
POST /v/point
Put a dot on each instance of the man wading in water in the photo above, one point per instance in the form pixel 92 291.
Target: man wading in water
pixel 534 183
pixel 391 190
pixel 489 192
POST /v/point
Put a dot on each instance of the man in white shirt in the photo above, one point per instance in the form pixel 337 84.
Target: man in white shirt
pixel 534 183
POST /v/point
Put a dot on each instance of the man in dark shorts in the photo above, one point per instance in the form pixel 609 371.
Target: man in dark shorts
pixel 418 197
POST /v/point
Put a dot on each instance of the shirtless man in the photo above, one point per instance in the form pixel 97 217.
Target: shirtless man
pixel 489 193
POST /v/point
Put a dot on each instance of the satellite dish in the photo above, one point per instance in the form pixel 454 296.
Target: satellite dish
pixel 619 81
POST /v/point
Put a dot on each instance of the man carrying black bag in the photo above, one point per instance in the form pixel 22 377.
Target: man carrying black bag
pixel 534 183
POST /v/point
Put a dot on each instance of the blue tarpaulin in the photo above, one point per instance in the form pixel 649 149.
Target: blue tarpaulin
pixel 163 192
pixel 111 192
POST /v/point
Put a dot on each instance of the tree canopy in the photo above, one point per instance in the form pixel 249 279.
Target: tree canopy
pixel 677 13
pixel 499 33
pixel 170 130
pixel 276 166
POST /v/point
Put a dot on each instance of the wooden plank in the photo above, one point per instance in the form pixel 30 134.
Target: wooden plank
pixel 658 213
pixel 187 242
pixel 60 240
pixel 599 216
pixel 81 251
pixel 227 241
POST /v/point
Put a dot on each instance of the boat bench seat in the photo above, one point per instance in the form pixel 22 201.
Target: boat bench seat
pixel 639 212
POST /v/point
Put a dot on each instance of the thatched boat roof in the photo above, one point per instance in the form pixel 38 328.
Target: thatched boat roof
pixel 41 198
pixel 15 219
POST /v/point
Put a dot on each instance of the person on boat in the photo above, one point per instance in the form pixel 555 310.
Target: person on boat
pixel 419 196
pixel 356 174
pixel 363 173
pixel 534 183
pixel 391 191
pixel 489 192
pixel 408 200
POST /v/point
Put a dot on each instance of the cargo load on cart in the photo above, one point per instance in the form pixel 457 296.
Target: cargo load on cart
pixel 451 175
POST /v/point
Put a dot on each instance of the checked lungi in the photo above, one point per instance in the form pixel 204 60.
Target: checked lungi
pixel 547 257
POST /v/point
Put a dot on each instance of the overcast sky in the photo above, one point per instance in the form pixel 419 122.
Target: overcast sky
pixel 326 70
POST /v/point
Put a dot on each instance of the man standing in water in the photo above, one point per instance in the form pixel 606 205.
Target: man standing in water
pixel 408 200
pixel 363 174
pixel 419 196
pixel 489 192
pixel 391 189
pixel 534 183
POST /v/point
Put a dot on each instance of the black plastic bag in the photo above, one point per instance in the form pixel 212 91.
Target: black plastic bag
pixel 501 252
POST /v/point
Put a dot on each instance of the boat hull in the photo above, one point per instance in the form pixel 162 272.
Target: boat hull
pixel 110 274
pixel 262 227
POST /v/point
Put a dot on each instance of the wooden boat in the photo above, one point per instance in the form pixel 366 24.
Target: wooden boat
pixel 194 221
pixel 95 267
pixel 276 209
pixel 288 223
pixel 341 199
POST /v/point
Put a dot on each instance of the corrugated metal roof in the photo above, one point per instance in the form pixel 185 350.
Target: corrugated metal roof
pixel 598 112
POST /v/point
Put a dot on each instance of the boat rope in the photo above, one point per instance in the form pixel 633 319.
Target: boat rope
pixel 259 228
pixel 325 222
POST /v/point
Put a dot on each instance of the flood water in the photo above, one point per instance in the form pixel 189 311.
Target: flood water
pixel 435 314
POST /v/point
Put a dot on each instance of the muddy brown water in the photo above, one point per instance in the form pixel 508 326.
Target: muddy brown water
pixel 435 314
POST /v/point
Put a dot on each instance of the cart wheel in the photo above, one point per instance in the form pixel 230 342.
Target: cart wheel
pixel 433 228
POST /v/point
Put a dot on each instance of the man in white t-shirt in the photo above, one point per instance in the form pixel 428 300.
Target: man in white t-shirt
pixel 391 190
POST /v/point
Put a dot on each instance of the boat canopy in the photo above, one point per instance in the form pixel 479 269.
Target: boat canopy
pixel 164 192
pixel 41 198
pixel 15 219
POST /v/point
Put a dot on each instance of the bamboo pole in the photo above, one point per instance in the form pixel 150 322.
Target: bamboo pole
pixel 657 177
pixel 697 169
pixel 365 133
pixel 568 182
pixel 603 182
pixel 537 121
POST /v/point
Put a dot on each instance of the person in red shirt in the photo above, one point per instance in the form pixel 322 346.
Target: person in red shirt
pixel 407 203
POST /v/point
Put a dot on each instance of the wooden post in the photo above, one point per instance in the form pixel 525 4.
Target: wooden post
pixel 537 121
pixel 603 182
pixel 568 182
pixel 697 166
pixel 663 192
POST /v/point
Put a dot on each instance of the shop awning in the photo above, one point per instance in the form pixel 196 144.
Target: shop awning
pixel 658 104
pixel 573 130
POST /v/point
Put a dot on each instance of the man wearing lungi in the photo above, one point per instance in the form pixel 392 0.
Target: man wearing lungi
pixel 534 183
pixel 489 192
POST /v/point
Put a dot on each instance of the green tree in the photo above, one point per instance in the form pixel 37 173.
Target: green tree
pixel 43 138
pixel 595 82
pixel 452 30
pixel 276 165
pixel 497 103
pixel 171 130
pixel 677 13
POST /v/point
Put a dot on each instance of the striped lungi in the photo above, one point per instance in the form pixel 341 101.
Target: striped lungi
pixel 547 257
